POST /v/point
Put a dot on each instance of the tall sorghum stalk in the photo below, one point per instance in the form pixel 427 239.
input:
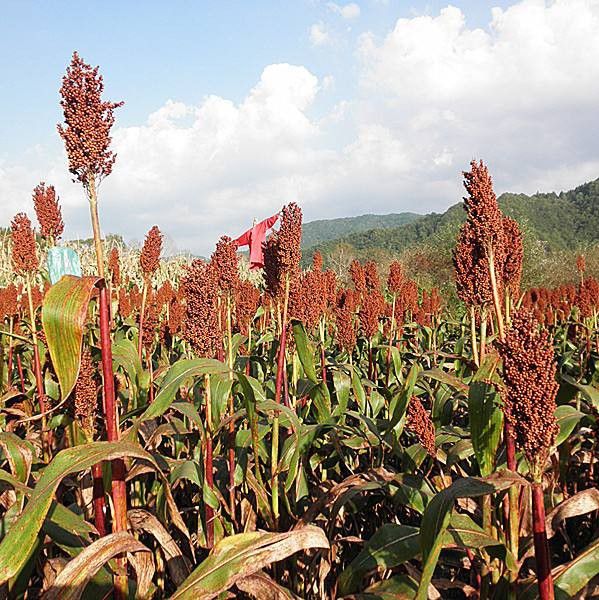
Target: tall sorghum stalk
pixel 201 329
pixel 208 465
pixel 86 133
pixel 25 263
pixel 529 370
pixel 282 256
pixel 224 261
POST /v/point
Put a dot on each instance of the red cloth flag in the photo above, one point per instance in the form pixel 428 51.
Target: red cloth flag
pixel 254 238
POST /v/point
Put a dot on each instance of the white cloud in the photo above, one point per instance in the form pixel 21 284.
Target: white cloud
pixel 319 34
pixel 347 11
pixel 521 93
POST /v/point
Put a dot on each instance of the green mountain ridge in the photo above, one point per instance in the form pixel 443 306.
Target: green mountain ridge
pixel 316 232
pixel 563 221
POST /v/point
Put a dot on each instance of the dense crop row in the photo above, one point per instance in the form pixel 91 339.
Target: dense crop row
pixel 193 430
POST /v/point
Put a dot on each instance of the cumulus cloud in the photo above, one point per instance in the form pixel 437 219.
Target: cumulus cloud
pixel 347 11
pixel 433 93
pixel 518 92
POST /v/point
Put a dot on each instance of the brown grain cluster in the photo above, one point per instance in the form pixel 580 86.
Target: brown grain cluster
pixel 529 369
pixel 247 300
pixel 482 208
pixel 48 212
pixel 473 283
pixel 87 122
pixel 581 264
pixel 149 259
pixel 272 279
pixel 289 241
pixel 200 324
pixel 358 276
pixel 372 304
pixel 9 302
pixel 86 394
pixel 420 423
pixel 225 262
pixel 396 278
pixel 24 255
pixel 114 266
pixel 152 311
pixel 345 310
pixel 514 256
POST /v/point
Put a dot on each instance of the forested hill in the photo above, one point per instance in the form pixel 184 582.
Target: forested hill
pixel 317 232
pixel 567 220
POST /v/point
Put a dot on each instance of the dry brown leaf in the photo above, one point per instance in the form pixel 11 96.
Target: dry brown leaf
pixel 178 566
pixel 72 580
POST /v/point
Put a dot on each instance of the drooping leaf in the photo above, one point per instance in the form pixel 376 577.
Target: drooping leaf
pixel 72 580
pixel 64 312
pixel 241 555
pixel 21 537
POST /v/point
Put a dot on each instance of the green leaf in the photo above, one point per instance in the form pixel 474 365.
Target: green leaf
pixel 64 313
pixel 589 393
pixel 21 537
pixel 304 350
pixel 577 573
pixel 567 419
pixel 243 554
pixel 390 546
pixel 437 516
pixel 486 422
pixel 179 372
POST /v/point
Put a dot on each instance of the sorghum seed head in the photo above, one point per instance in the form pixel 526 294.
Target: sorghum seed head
pixel 48 212
pixel 149 259
pixel 24 255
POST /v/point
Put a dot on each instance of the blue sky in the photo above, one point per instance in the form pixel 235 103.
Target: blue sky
pixel 151 51
pixel 347 107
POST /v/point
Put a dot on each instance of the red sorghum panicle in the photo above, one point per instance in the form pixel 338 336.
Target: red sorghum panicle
pixel 86 394
pixel 149 259
pixel 164 294
pixel 125 308
pixel 482 208
pixel 9 302
pixel 272 269
pixel 473 282
pixel 48 212
pixel 176 313
pixel 225 261
pixel 317 261
pixel 371 276
pixel 529 370
pixel 247 299
pixel 290 240
pixel 358 277
pixel 200 325
pixel 114 266
pixel 581 264
pixel 395 279
pixel 514 255
pixel 24 255
pixel 345 309
pixel 87 121
pixel 419 422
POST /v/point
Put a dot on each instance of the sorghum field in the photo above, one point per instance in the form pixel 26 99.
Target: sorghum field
pixel 193 430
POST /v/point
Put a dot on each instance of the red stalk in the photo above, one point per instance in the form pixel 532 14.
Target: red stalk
pixel 119 488
pixel 99 502
pixel 542 556
pixel 20 369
